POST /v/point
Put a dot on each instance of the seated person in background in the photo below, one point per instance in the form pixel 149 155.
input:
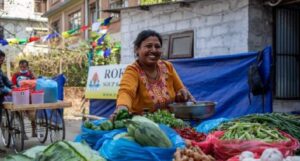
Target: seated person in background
pixel 5 88
pixel 25 74
pixel 150 83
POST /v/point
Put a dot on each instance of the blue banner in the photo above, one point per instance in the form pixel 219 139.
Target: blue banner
pixel 222 79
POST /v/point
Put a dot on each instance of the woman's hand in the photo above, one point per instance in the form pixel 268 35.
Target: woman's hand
pixel 114 114
pixel 183 95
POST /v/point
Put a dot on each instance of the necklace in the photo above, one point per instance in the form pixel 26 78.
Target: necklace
pixel 154 75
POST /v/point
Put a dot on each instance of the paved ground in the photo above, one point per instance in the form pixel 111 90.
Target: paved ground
pixel 72 129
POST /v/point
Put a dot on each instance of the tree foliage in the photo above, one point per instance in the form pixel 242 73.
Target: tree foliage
pixel 73 63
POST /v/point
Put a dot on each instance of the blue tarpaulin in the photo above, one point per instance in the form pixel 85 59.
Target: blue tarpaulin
pixel 222 79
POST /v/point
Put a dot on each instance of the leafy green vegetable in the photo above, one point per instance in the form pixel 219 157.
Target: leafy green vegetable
pixel 18 157
pixel 123 114
pixel 285 122
pixel 62 150
pixel 119 124
pixel 69 151
pixel 107 125
pixel 167 118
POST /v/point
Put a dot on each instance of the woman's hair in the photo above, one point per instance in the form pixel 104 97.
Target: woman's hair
pixel 144 35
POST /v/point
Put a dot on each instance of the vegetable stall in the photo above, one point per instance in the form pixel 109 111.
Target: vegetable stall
pixel 244 133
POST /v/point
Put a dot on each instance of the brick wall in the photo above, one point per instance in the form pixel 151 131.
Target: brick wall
pixel 220 27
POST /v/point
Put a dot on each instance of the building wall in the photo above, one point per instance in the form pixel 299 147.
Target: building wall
pixel 115 26
pixel 20 9
pixel 260 25
pixel 19 19
pixel 220 27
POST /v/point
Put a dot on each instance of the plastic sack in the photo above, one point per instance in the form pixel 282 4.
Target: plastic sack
pixel 125 150
pixel 61 80
pixel 206 146
pixel 108 136
pixel 225 149
pixel 207 126
pixel 50 89
pixel 92 137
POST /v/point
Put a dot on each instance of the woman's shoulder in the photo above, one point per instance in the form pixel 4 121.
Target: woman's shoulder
pixel 168 64
pixel 132 68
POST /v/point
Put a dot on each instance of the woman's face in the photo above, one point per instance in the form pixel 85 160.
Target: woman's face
pixel 149 51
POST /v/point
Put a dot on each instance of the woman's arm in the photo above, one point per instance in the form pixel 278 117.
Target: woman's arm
pixel 128 88
pixel 182 94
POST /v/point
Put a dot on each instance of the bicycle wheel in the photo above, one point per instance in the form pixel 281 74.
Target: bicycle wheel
pixel 56 126
pixel 17 131
pixel 5 125
pixel 41 123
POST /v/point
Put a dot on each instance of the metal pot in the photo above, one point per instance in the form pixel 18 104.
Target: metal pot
pixel 193 111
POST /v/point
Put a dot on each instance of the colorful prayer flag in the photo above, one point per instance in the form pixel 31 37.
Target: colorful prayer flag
pixel 99 52
pixel 72 31
pixel 106 21
pixel 33 38
pixel 66 34
pixel 22 41
pixel 101 39
pixel 51 36
pixel 107 53
pixel 96 26
pixel 83 28
pixel 3 42
pixel 94 44
pixel 104 29
pixel 13 41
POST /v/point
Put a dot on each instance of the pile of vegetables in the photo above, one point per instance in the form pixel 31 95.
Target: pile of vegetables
pixel 110 125
pixel 285 122
pixel 62 150
pixel 191 134
pixel 191 153
pixel 167 118
pixel 252 131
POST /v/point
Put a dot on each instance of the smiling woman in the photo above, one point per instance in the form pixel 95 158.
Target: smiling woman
pixel 150 83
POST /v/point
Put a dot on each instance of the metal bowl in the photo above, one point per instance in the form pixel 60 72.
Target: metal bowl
pixel 193 111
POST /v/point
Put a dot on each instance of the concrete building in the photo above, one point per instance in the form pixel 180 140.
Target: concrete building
pixel 64 15
pixel 201 28
pixel 22 19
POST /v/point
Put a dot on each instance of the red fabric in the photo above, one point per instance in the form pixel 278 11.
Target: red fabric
pixel 83 28
pixel 14 78
pixel 225 149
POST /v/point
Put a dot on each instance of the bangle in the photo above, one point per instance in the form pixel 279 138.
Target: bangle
pixel 121 108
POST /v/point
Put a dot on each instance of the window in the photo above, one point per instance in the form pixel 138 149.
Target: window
pixel 178 45
pixel 55 26
pixel 39 6
pixel 116 4
pixel 1 4
pixel 52 2
pixel 1 32
pixel 75 20
pixel 93 13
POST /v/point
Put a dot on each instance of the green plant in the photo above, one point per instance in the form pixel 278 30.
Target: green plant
pixel 72 63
